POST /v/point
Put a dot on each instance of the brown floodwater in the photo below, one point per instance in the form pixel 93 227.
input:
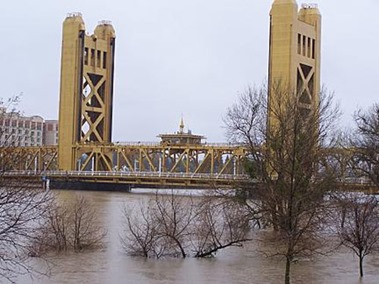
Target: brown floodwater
pixel 232 265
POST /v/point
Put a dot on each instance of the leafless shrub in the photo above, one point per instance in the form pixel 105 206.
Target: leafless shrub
pixel 173 216
pixel 72 225
pixel 23 213
pixel 57 231
pixel 140 235
pixel 220 224
pixel 365 142
pixel 84 231
pixel 172 225
pixel 359 225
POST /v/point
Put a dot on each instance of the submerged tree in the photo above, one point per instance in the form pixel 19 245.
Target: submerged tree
pixel 366 144
pixel 286 138
pixel 174 225
pixel 23 212
pixel 221 223
pixel 69 225
pixel 23 206
pixel 140 233
pixel 359 225
pixel 162 227
pixel 173 216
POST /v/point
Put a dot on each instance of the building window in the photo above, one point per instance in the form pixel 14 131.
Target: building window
pixel 104 60
pixel 86 56
pixel 98 59
pixel 92 57
pixel 298 43
pixel 304 41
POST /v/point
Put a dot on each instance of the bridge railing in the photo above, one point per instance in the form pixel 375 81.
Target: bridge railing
pixel 364 181
pixel 356 180
pixel 143 143
pixel 127 174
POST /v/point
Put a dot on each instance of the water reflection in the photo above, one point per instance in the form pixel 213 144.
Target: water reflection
pixel 233 265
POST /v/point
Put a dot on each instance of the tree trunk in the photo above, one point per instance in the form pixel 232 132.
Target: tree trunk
pixel 288 270
pixel 210 252
pixel 182 251
pixel 360 265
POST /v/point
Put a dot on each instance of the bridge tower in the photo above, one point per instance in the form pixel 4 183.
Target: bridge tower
pixel 86 91
pixel 294 56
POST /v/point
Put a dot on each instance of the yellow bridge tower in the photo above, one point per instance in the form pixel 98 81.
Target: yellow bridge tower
pixel 294 58
pixel 86 92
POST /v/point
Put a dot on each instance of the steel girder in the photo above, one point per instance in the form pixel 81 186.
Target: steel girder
pixel 28 158
pixel 204 158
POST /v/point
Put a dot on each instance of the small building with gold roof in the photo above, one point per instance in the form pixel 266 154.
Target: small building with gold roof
pixel 181 137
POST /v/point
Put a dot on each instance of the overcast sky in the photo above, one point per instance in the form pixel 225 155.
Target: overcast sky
pixel 182 57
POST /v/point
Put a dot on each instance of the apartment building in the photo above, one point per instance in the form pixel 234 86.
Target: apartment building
pixel 19 130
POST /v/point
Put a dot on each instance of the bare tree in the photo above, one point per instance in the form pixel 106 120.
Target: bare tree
pixel 71 225
pixel 85 231
pixel 163 227
pixel 366 144
pixel 221 223
pixel 56 232
pixel 173 225
pixel 23 207
pixel 23 212
pixel 140 235
pixel 286 137
pixel 173 215
pixel 359 225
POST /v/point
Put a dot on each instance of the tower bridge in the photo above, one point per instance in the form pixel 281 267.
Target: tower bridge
pixel 85 150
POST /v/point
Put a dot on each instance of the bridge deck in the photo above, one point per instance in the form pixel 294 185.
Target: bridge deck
pixel 148 179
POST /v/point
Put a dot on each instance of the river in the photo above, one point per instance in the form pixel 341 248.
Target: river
pixel 233 265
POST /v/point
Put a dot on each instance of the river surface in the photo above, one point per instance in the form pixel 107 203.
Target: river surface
pixel 232 265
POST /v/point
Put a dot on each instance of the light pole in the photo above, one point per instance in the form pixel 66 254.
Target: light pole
pixel 79 164
pixel 135 165
pixel 160 165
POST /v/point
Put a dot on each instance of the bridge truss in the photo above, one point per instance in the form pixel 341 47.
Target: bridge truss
pixel 152 164
pixel 215 159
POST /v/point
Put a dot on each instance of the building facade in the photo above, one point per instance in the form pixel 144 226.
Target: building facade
pixel 50 132
pixel 181 137
pixel 19 130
